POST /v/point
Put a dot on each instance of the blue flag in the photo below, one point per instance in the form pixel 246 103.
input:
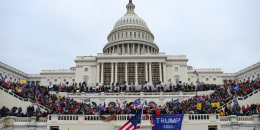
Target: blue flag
pixel 167 122
pixel 38 92
pixel 124 102
pixel 145 102
pixel 31 88
pixel 100 107
pixel 236 88
pixel 175 102
pixel 138 102
pixel 235 102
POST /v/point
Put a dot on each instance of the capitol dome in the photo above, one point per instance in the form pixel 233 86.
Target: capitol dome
pixel 130 35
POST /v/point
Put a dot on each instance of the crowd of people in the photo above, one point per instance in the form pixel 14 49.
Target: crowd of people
pixel 65 105
pixel 82 87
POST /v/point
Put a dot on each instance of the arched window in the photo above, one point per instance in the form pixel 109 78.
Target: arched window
pixel 112 104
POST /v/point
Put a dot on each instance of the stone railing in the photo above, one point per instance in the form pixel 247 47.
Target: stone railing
pixel 2 123
pixel 94 120
pixel 187 117
pixel 22 119
pixel 13 122
pixel 234 118
pixel 58 71
pixel 132 93
pixel 23 99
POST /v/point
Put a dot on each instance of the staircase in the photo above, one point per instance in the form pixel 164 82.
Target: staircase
pixel 9 100
pixel 251 98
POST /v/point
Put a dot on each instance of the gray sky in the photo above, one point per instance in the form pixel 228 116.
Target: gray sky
pixel 49 34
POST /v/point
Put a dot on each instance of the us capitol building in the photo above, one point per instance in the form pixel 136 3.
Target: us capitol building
pixel 131 56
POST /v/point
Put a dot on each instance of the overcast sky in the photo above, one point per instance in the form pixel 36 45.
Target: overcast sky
pixel 49 34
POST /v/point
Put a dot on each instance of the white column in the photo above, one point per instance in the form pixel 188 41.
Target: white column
pixel 160 71
pixel 150 74
pixel 98 72
pixel 138 49
pixel 113 49
pixel 102 67
pixel 118 50
pixel 164 73
pixel 128 50
pixel 126 72
pixel 112 71
pixel 123 49
pixel 133 50
pixel 136 75
pixel 146 72
pixel 115 72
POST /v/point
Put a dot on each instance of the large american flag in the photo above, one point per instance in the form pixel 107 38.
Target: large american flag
pixel 134 122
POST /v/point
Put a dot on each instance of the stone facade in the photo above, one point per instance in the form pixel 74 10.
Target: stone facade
pixel 130 56
pixel 250 73
pixel 12 74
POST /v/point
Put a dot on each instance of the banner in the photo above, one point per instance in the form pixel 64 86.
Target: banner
pixel 199 106
pixel 92 94
pixel 23 81
pixel 215 104
pixel 167 122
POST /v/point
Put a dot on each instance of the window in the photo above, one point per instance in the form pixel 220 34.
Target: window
pixel 55 80
pixel 207 79
pixel 48 80
pixel 130 34
pixel 176 68
pixel 134 34
pixel 188 79
pixel 86 69
pixel 214 79
pixel 64 80
pixel 73 80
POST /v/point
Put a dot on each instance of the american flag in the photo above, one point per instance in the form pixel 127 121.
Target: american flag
pixel 134 122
